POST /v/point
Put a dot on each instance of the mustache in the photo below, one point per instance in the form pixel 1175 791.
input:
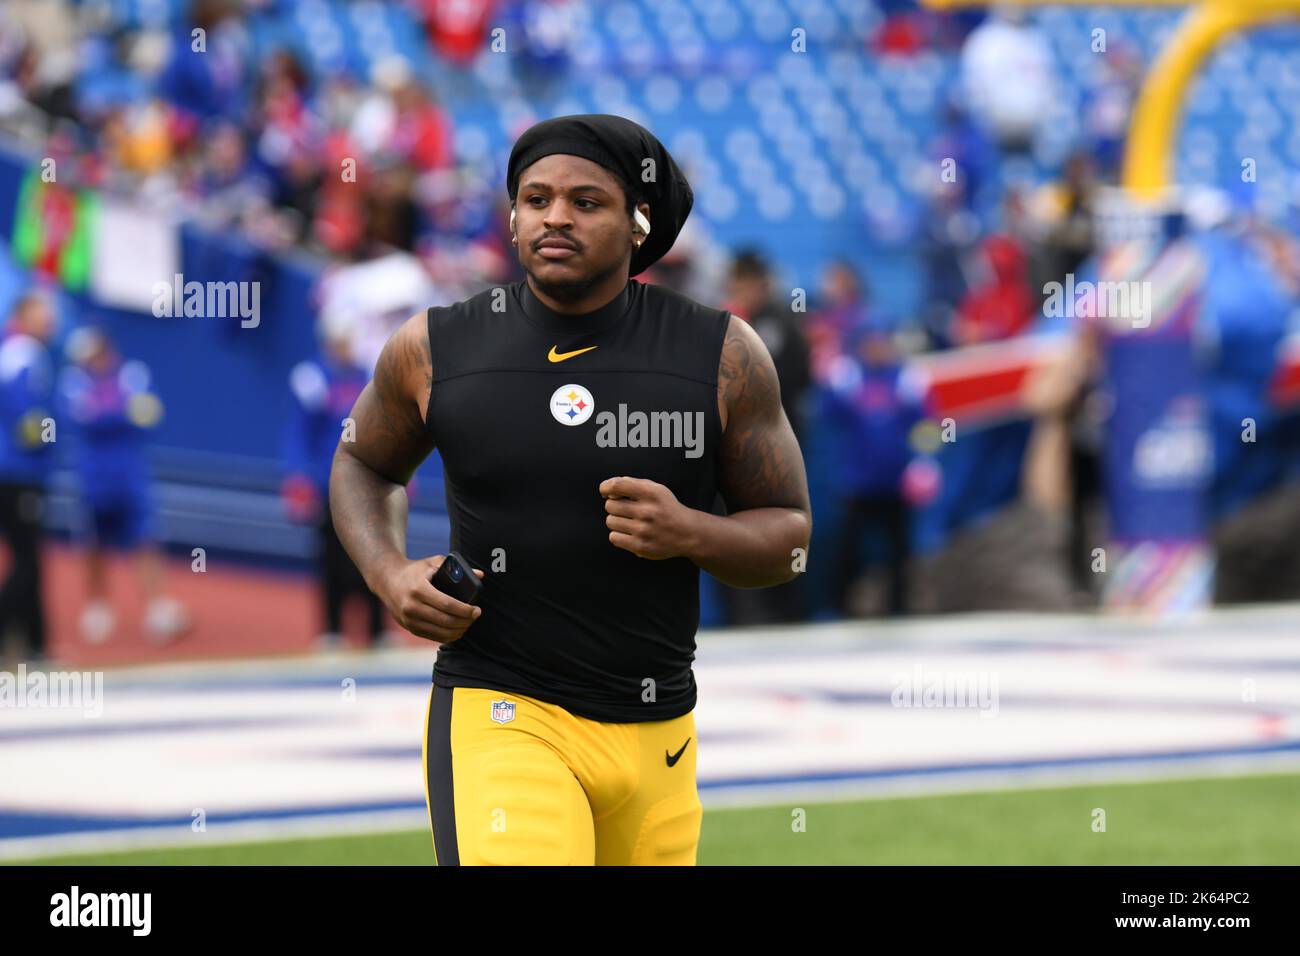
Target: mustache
pixel 537 243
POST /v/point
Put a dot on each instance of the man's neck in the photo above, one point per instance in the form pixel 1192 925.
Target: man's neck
pixel 595 298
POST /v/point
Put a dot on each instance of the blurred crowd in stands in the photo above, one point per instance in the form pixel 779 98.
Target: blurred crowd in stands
pixel 191 119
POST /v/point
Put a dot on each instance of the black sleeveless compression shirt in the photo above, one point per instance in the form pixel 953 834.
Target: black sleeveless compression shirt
pixel 531 410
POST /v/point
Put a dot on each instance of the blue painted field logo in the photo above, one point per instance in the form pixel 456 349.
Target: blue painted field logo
pixel 1129 301
pixel 651 430
pixel 946 689
pixel 132 910
pixel 57 690
pixel 208 300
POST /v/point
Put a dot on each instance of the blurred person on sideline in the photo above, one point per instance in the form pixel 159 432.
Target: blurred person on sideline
pixel 289 149
pixel 1108 107
pixel 1002 305
pixel 324 391
pixel 1066 475
pixel 968 158
pixel 138 138
pixel 867 398
pixel 401 117
pixel 392 219
pixel 1061 218
pixel 948 234
pixel 1241 323
pixel 458 30
pixel 696 265
pixel 1006 68
pixel 422 132
pixel 1252 289
pixel 38 65
pixel 112 410
pixel 338 219
pixel 205 72
pixel 26 456
pixel 1061 475
pixel 549 30
pixel 843 305
pixel 750 297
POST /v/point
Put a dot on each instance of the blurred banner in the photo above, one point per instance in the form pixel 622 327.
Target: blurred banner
pixel 133 249
pixel 53 228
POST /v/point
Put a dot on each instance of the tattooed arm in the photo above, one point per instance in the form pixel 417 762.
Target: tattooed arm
pixel 368 487
pixel 760 474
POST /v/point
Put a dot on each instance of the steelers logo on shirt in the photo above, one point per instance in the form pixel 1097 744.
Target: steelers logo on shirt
pixel 572 404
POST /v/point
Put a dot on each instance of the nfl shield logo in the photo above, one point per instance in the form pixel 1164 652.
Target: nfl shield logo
pixel 503 711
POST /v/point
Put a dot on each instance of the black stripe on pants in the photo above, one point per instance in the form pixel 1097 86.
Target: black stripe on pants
pixel 442 795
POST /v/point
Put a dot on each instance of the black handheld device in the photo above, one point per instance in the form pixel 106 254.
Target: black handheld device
pixel 455 577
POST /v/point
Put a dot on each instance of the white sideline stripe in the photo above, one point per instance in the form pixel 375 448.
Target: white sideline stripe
pixel 992 781
pixel 226 834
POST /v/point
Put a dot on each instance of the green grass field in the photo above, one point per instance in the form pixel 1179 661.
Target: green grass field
pixel 1218 821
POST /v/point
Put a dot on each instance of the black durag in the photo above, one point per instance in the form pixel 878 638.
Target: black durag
pixel 622 147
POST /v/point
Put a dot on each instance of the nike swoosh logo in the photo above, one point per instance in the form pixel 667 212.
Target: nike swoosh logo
pixel 555 356
pixel 677 756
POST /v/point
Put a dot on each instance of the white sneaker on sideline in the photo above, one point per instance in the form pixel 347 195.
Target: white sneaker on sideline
pixel 329 641
pixel 165 620
pixel 97 622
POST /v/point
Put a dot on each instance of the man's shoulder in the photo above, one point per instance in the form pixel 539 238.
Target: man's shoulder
pixel 448 332
pixel 669 302
pixel 696 326
pixel 490 299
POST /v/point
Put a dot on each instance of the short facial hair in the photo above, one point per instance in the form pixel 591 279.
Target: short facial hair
pixel 573 290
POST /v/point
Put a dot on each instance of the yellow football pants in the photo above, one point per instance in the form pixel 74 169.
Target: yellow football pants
pixel 511 780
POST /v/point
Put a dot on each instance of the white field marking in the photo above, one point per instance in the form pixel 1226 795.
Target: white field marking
pixel 227 834
pixel 1121 699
